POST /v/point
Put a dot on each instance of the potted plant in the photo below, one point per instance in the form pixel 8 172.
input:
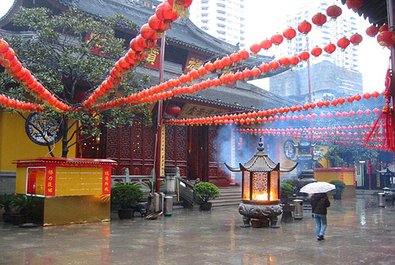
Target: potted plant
pixel 340 186
pixel 125 196
pixel 206 191
pixel 287 191
pixel 26 209
pixel 6 202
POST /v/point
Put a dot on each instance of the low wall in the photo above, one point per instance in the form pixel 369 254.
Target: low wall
pixel 347 175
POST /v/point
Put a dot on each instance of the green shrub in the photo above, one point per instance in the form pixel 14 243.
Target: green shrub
pixel 287 189
pixel 340 185
pixel 126 195
pixel 6 202
pixel 206 191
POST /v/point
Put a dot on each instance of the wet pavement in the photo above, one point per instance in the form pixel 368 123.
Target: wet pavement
pixel 359 232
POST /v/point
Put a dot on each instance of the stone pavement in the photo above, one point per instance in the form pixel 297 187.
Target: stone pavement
pixel 358 233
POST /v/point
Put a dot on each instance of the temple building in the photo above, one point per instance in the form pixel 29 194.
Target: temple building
pixel 195 150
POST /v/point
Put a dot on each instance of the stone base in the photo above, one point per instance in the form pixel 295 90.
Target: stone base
pixel 260 215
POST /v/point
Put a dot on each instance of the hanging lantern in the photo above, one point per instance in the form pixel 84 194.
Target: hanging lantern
pixel 330 48
pixel 356 39
pixel 138 44
pixel 284 62
pixel 383 28
pixel 304 56
pixel 266 44
pixel 316 51
pixel 304 27
pixel 277 39
pixel 375 94
pixel 372 31
pixel 333 11
pixel 255 48
pixel 319 19
pixel 165 12
pixel 386 38
pixel 343 43
pixel 294 60
pixel 289 33
pixel 148 33
pixel 173 110
pixel 354 4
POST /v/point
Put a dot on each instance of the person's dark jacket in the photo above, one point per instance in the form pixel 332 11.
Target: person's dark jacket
pixel 320 203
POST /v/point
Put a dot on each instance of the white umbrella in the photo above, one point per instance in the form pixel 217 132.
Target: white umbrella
pixel 317 187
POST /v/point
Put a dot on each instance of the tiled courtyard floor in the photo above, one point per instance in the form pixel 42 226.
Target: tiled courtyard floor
pixel 359 232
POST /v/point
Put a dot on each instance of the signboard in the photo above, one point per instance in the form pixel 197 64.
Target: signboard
pixel 194 62
pixel 192 111
pixel 153 58
pixel 50 181
pixel 73 181
pixel 106 187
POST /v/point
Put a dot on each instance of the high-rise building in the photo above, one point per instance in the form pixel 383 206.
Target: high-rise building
pixel 338 72
pixel 224 19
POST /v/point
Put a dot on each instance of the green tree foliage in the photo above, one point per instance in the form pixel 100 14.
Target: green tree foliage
pixel 340 154
pixel 206 191
pixel 57 49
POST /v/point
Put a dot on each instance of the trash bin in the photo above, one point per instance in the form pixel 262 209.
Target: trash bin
pixel 168 205
pixel 298 213
pixel 381 199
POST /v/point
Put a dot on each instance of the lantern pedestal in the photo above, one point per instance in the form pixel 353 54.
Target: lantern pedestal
pixel 260 215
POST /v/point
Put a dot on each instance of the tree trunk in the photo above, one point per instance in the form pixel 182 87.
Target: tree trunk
pixel 65 149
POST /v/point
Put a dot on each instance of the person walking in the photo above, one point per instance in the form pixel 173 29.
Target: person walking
pixel 320 204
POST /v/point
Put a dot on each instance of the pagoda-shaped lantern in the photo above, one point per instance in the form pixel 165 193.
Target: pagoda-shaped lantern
pixel 260 204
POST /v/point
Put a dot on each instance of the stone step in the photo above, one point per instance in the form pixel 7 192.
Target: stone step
pixel 225 203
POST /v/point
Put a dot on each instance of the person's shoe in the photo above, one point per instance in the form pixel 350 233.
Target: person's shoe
pixel 322 238
pixel 319 238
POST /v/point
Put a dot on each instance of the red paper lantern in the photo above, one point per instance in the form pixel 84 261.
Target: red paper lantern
pixel 375 94
pixel 289 33
pixel 264 68
pixel 343 43
pixel 316 51
pixel 244 54
pixel 156 24
pixel 165 12
pixel 330 48
pixel 138 44
pixel 366 95
pixel 356 39
pixel 284 61
pixel 319 19
pixel 383 28
pixel 386 38
pixel 304 56
pixel 277 39
pixel 333 11
pixel 294 60
pixel 273 65
pixel 255 48
pixel 235 57
pixel 372 31
pixel 304 27
pixel 3 46
pixel 354 4
pixel 147 32
pixel 266 44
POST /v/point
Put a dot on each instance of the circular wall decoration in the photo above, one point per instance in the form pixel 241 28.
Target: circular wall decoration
pixel 42 129
pixel 289 149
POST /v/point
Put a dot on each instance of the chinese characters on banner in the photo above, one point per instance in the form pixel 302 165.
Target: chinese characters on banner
pixel 50 181
pixel 153 58
pixel 193 63
pixel 106 187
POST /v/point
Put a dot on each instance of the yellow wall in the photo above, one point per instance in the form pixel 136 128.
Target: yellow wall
pixel 346 176
pixel 15 144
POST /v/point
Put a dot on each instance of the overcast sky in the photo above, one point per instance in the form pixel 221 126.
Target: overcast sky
pixel 267 17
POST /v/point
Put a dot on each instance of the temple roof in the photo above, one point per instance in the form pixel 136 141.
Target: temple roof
pixel 373 10
pixel 260 162
pixel 183 31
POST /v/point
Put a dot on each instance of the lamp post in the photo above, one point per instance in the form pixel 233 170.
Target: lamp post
pixel 158 143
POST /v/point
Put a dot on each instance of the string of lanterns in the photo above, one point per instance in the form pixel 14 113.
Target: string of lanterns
pixel 19 105
pixel 15 68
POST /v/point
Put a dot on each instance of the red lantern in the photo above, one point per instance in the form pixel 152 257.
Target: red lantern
pixel 147 32
pixel 156 24
pixel 138 44
pixel 273 65
pixel 386 38
pixel 304 56
pixel 165 12
pixel 333 11
pixel 266 44
pixel 319 19
pixel 294 60
pixel 316 51
pixel 383 28
pixel 343 43
pixel 173 110
pixel 330 48
pixel 255 48
pixel 244 55
pixel 264 68
pixel 277 39
pixel 235 57
pixel 284 62
pixel 304 27
pixel 354 4
pixel 3 46
pixel 289 33
pixel 366 95
pixel 375 94
pixel 372 31
pixel 356 39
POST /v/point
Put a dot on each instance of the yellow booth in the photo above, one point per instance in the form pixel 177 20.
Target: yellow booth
pixel 347 175
pixel 71 190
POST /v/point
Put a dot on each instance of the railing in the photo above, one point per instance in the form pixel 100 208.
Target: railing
pixel 185 192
